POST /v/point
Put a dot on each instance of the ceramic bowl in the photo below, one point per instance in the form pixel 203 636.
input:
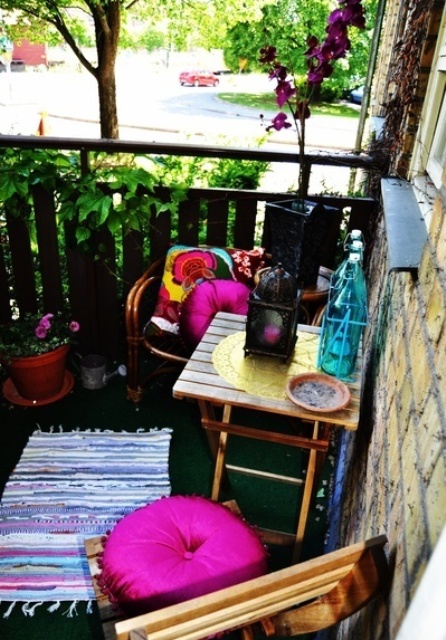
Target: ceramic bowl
pixel 318 392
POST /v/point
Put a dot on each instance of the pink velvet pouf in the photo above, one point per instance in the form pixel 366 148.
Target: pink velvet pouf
pixel 175 549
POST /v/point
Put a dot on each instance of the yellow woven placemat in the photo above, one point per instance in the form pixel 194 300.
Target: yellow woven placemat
pixel 261 375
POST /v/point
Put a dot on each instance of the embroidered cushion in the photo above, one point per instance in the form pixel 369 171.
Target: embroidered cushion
pixel 186 266
pixel 207 299
pixel 175 549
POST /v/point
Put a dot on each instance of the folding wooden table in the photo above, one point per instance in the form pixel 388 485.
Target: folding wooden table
pixel 200 381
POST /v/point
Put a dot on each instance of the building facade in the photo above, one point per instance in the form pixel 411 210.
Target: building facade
pixel 391 474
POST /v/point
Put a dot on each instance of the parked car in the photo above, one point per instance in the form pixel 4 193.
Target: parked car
pixel 199 78
pixel 356 95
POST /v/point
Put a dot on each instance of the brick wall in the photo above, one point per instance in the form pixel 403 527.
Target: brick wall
pixel 385 62
pixel 391 473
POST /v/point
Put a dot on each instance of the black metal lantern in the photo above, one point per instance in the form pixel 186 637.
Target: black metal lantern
pixel 273 308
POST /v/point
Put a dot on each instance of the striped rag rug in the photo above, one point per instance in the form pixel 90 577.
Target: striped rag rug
pixel 67 487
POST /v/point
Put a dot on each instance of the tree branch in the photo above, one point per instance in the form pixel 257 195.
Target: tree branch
pixel 56 18
pixel 132 4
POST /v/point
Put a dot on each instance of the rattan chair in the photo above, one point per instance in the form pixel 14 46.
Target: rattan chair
pixel 170 351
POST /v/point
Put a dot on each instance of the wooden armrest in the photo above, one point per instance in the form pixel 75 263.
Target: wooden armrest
pixel 366 579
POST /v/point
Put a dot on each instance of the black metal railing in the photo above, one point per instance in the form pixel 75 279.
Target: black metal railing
pixel 48 270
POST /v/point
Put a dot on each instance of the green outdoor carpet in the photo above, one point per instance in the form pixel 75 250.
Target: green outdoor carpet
pixel 263 503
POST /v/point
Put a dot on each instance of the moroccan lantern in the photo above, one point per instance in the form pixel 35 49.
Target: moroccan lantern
pixel 273 309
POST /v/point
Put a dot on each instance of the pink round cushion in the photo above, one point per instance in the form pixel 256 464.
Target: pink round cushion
pixel 207 299
pixel 175 549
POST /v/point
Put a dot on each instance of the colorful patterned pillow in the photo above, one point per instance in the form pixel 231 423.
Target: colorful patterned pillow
pixel 175 549
pixel 187 266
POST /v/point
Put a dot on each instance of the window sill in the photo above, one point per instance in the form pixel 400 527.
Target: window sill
pixel 405 225
pixel 425 193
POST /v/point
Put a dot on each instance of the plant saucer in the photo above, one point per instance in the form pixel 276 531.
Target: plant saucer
pixel 318 392
pixel 11 393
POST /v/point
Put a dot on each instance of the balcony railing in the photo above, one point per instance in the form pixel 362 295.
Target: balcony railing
pixel 46 272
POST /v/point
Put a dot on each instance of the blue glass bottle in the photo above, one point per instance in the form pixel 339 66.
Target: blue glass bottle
pixel 353 244
pixel 344 321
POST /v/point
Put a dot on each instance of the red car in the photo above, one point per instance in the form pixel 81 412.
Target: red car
pixel 199 78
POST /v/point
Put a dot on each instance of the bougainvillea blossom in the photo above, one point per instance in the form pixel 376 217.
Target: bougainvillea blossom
pixel 320 56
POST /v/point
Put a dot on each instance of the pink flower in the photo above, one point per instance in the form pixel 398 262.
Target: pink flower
pixel 313 47
pixel 284 91
pixel 74 326
pixel 335 16
pixel 317 74
pixel 45 321
pixel 267 54
pixel 279 72
pixel 321 57
pixel 354 16
pixel 279 122
pixel 41 332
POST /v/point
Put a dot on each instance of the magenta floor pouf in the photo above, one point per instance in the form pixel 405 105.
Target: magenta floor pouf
pixel 175 549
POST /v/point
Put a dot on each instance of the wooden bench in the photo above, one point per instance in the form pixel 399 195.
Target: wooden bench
pixel 328 589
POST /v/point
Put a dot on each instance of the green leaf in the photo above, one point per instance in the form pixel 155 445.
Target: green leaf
pixel 67 211
pixel 12 184
pixel 82 234
pixel 114 224
pixel 95 202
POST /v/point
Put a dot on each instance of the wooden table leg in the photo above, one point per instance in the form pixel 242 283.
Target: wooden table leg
pixel 207 413
pixel 306 499
pixel 324 434
pixel 217 443
pixel 219 470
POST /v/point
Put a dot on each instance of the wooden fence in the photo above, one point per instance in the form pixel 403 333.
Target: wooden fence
pixel 48 271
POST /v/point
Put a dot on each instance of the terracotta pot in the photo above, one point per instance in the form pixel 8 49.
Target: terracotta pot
pixel 39 377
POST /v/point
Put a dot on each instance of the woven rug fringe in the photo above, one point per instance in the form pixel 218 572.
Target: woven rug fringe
pixel 59 429
pixel 29 608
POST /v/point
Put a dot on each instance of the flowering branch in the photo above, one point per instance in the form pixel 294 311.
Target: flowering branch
pixel 320 60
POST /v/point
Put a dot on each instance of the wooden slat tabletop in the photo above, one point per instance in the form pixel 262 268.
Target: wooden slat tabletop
pixel 199 380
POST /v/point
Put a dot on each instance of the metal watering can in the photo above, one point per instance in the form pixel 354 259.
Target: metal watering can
pixel 93 370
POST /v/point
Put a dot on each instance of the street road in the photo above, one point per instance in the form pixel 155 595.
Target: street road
pixel 152 106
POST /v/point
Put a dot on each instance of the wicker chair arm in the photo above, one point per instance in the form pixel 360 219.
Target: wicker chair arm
pixel 144 290
pixel 138 313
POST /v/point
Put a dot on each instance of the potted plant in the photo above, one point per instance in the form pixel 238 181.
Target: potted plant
pixel 34 349
pixel 298 225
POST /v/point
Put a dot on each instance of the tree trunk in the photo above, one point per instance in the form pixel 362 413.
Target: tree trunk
pixel 107 28
pixel 107 103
